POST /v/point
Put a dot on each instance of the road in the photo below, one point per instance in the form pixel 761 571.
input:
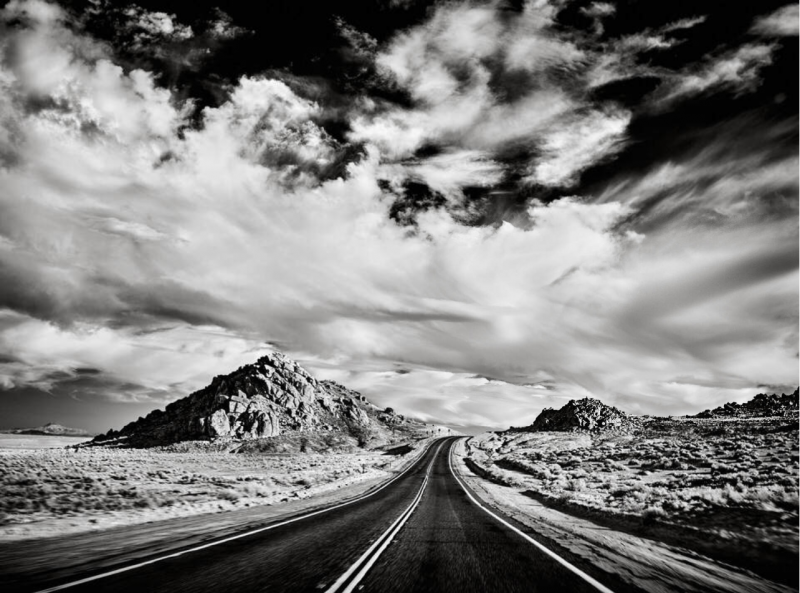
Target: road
pixel 421 532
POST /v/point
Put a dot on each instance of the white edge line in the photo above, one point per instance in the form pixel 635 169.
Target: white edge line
pixel 233 537
pixel 598 585
pixel 404 516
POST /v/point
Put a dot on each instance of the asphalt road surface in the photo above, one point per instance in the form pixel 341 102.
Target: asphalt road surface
pixel 422 532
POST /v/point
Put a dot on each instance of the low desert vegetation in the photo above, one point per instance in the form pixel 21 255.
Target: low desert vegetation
pixel 47 484
pixel 734 480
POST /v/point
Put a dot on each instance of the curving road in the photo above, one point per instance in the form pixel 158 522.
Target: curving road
pixel 422 532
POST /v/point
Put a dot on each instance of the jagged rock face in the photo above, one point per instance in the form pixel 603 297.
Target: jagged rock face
pixel 271 397
pixel 584 414
pixel 761 406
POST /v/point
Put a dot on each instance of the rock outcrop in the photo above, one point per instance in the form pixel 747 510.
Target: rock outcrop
pixel 390 417
pixel 761 406
pixel 583 414
pixel 272 397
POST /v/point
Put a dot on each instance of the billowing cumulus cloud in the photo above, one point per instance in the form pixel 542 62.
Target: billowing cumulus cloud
pixel 148 242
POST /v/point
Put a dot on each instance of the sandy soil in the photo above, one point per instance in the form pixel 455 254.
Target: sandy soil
pixel 626 558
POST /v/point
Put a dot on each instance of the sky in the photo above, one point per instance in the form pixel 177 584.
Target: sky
pixel 468 211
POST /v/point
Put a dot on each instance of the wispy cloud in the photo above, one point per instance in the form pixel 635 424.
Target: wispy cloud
pixel 737 70
pixel 571 147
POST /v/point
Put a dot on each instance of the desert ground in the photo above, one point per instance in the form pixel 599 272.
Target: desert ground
pixel 53 491
pixel 725 488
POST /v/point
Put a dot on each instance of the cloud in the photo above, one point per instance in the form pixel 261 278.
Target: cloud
pixel 449 172
pixel 150 26
pixel 570 148
pixel 781 23
pixel 160 249
pixel 126 366
pixel 598 9
pixel 686 23
pixel 445 396
pixel 449 67
pixel 222 26
pixel 134 230
pixel 740 175
pixel 737 70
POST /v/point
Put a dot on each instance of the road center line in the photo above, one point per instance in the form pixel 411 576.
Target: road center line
pixel 368 558
pixel 240 535
pixel 596 584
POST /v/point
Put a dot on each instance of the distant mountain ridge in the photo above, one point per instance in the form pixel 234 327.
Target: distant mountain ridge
pixel 272 397
pixel 50 429
pixel 761 406
pixel 592 415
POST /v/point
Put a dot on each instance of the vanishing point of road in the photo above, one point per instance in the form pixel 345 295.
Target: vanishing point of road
pixel 423 531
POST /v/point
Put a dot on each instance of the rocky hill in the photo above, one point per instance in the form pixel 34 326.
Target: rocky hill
pixel 273 397
pixel 583 414
pixel 761 406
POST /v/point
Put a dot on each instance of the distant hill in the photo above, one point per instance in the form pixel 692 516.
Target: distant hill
pixel 274 397
pixel 587 414
pixel 761 406
pixel 50 429
pixel 592 415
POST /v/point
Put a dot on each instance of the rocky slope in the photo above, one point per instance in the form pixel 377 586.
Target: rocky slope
pixel 275 396
pixel 583 414
pixel 761 406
